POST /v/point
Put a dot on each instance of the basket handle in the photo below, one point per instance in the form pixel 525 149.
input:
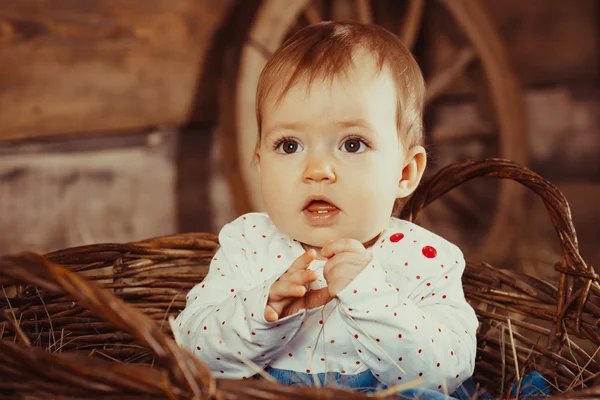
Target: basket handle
pixel 573 269
pixel 185 369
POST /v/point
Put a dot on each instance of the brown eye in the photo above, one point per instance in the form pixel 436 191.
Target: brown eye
pixel 288 147
pixel 353 145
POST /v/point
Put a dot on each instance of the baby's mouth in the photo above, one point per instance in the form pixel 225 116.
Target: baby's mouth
pixel 320 207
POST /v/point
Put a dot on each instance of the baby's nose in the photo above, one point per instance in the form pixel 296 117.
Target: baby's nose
pixel 319 169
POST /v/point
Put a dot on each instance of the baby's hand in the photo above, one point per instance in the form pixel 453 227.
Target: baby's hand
pixel 346 259
pixel 290 287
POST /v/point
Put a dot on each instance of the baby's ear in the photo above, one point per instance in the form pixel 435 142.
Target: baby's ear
pixel 412 172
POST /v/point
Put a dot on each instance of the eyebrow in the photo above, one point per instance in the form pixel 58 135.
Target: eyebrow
pixel 354 123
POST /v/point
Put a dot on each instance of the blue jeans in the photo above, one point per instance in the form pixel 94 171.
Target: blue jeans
pixel 533 385
pixel 365 382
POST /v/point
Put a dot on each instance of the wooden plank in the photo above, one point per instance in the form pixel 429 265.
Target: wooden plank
pixel 562 132
pixel 72 67
pixel 84 191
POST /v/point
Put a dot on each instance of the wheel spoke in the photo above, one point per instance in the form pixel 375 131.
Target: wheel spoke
pixel 442 80
pixel 441 136
pixel 412 23
pixel 365 15
pixel 312 14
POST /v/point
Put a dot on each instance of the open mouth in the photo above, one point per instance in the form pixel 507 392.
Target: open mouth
pixel 320 210
pixel 320 207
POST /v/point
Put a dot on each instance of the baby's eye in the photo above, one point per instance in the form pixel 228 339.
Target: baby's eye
pixel 288 146
pixel 354 145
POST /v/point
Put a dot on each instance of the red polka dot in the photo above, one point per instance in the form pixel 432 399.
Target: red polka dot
pixel 416 327
pixel 322 359
pixel 308 371
pixel 446 277
pixel 218 358
pixel 321 322
pixel 440 330
pixel 252 315
pixel 290 354
pixel 377 340
pixel 253 333
pixel 222 372
pixel 375 289
pixel 429 252
pixel 223 323
pixel 264 237
pixel 278 255
pixel 202 286
pixel 197 347
pixel 188 331
pixel 418 276
pixel 359 350
pixel 343 371
pixel 400 359
pixel 396 237
pixel 420 374
pixel 262 269
pixel 457 375
pixel 395 314
pixel 254 226
pixel 439 386
pixel 244 299
pixel 406 264
pixel 283 337
pixel 355 291
pixel 399 336
pixel 205 328
pixel 451 353
pixel 355 336
pixel 232 290
pixel 420 351
pixel 444 296
pixel 332 341
pixel 399 378
pixel 358 362
pixel 438 365
pixel 428 283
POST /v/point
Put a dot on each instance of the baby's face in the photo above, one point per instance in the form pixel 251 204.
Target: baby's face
pixel 339 141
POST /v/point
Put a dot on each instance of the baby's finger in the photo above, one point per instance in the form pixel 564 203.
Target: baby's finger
pixel 270 314
pixel 282 289
pixel 303 277
pixel 302 262
pixel 340 246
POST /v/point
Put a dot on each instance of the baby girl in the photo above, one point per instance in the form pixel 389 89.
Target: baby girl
pixel 326 283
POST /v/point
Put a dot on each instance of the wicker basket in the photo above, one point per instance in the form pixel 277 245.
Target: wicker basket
pixel 91 321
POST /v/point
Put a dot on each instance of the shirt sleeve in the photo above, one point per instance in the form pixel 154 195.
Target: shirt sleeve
pixel 427 333
pixel 223 321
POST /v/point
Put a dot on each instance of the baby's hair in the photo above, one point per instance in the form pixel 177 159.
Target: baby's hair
pixel 326 51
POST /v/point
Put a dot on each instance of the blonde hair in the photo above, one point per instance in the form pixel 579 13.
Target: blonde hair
pixel 325 51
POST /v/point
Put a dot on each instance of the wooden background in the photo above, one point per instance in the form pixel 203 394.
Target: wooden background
pixel 109 117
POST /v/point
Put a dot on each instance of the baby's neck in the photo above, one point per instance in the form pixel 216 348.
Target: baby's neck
pixel 318 249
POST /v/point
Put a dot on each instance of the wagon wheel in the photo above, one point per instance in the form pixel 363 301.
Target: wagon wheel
pixel 481 54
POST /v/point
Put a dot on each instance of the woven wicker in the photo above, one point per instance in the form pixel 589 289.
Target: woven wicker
pixel 91 322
